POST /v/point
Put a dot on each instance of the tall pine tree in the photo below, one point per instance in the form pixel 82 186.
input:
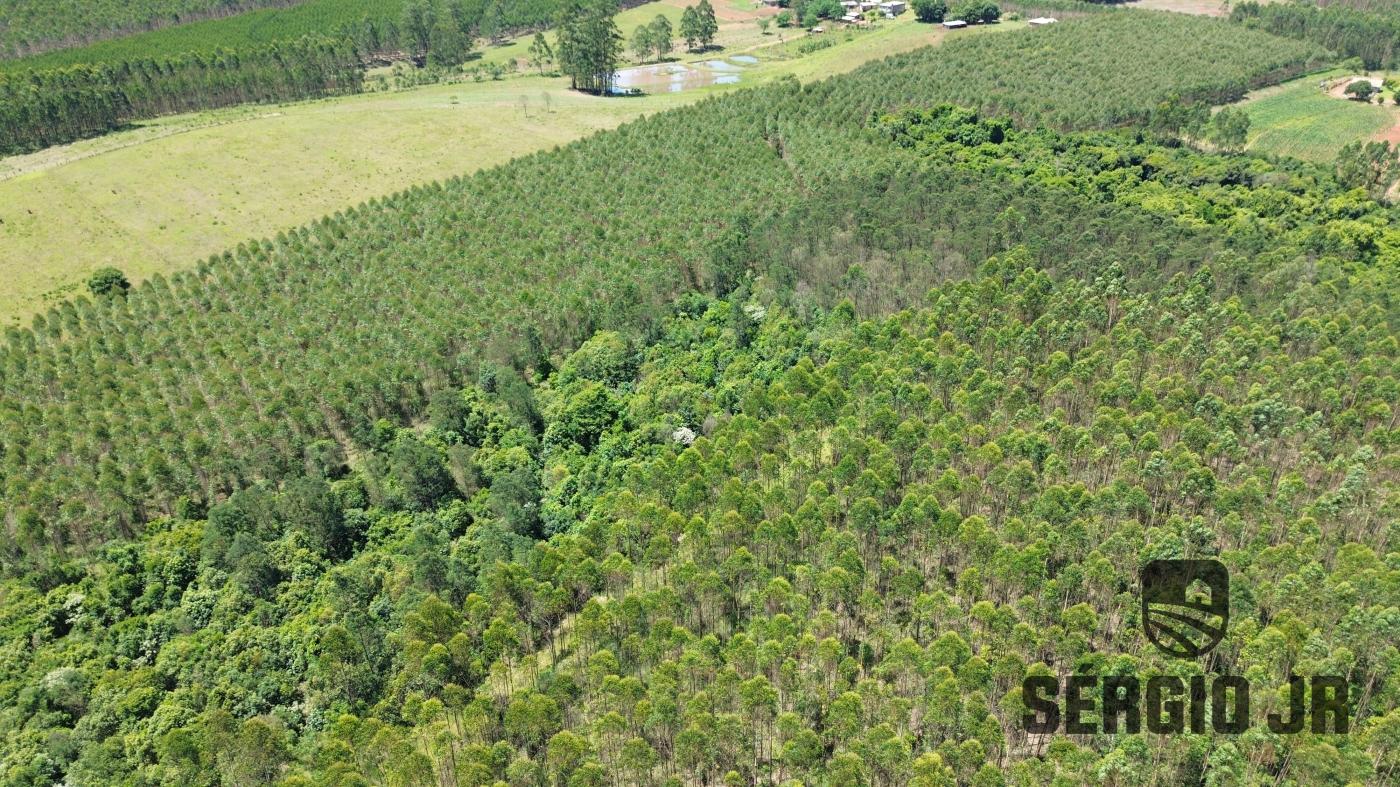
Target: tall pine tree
pixel 589 45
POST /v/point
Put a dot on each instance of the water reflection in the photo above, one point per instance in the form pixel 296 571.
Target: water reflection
pixel 675 77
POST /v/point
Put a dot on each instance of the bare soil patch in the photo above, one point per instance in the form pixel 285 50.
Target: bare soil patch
pixel 1392 134
pixel 1338 88
pixel 1196 7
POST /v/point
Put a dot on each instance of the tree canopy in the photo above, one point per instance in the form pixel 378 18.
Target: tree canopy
pixel 793 476
pixel 589 44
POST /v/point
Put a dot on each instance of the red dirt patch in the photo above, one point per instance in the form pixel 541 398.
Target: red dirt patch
pixel 1391 135
pixel 1196 7
pixel 726 12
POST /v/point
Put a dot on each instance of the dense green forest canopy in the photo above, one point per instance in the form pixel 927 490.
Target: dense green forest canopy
pixel 113 408
pixel 30 26
pixel 375 26
pixel 308 50
pixel 240 32
pixel 791 540
pixel 45 108
pixel 1371 33
pixel 771 440
pixel 1362 5
pixel 314 49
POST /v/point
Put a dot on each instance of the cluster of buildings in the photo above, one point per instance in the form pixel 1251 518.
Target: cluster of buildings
pixel 856 9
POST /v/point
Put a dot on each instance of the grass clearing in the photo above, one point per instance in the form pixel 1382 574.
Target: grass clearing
pixel 180 189
pixel 173 191
pixel 1300 119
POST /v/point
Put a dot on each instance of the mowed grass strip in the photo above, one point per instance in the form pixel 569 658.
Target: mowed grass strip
pixel 1299 119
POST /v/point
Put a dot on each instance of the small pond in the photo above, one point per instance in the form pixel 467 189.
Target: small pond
pixel 674 77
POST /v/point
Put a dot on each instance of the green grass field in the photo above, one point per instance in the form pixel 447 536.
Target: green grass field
pixel 1298 119
pixel 173 191
pixel 182 188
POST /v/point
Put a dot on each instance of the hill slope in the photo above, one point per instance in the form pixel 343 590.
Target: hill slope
pixel 29 26
pixel 793 540
pixel 205 382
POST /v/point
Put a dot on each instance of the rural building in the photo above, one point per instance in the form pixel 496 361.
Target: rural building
pixel 892 8
pixel 954 24
pixel 1042 20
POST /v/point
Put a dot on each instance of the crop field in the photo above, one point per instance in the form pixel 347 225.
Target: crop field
pixel 170 192
pixel 1299 119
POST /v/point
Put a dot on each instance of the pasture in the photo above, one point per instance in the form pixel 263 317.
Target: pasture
pixel 172 191
pixel 179 189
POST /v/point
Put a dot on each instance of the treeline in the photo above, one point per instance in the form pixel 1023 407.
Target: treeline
pixel 1372 35
pixel 84 462
pixel 31 26
pixel 588 44
pixel 39 109
pixel 1053 80
pixel 1066 9
pixel 256 29
pixel 1362 5
pixel 71 95
pixel 375 26
pixel 58 105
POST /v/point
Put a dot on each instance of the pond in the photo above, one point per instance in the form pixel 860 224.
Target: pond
pixel 747 60
pixel 673 77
